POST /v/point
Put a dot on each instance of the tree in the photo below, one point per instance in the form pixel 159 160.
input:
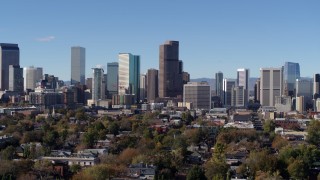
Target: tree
pixel 217 167
pixel 114 128
pixel 279 142
pixel 196 173
pixel 313 136
pixel 269 126
pixel 8 153
pixel 297 169
pixel 97 172
pixel 260 161
pixel 127 155
pixel 74 168
pixel 50 138
pixel 43 168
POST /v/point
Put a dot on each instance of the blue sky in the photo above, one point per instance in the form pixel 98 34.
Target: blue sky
pixel 214 35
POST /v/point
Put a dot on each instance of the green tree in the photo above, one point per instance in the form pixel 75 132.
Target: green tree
pixel 196 173
pixel 217 167
pixel 269 126
pixel 260 161
pixel 74 168
pixel 97 172
pixel 313 136
pixel 50 138
pixel 114 128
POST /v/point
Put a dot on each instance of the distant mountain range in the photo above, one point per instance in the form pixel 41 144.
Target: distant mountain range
pixel 212 83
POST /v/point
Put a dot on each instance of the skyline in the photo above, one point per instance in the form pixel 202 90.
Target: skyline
pixel 223 36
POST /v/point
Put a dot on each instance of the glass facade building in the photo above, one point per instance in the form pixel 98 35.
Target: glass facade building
pixel 170 70
pixel 291 72
pixel 129 75
pixel 9 55
pixel 112 79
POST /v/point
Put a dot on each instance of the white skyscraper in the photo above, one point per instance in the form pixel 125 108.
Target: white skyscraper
pixel 129 75
pixel 238 96
pixel 270 85
pixel 78 60
pixel 243 80
pixel 30 77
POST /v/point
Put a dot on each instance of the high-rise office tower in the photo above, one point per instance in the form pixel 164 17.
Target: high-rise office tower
pixel 304 88
pixel 300 104
pixel 219 86
pixel 89 84
pixel 228 85
pixel 317 105
pixel 238 95
pixel 270 85
pixel 78 65
pixel 39 74
pixel 316 86
pixel 257 91
pixel 152 85
pixel 15 78
pixel 30 77
pixel 143 87
pixel 197 93
pixel 9 55
pixel 97 84
pixel 129 75
pixel 112 79
pixel 243 80
pixel 170 70
pixel 291 72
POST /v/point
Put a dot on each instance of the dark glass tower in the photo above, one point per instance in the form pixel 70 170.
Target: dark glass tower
pixel 152 85
pixel 219 85
pixel 112 79
pixel 170 70
pixel 9 55
pixel 316 86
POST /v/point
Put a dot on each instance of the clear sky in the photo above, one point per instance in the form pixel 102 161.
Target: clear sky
pixel 214 35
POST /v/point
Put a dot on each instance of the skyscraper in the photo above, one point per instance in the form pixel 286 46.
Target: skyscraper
pixel 228 85
pixel 243 80
pixel 152 85
pixel 238 96
pixel 170 70
pixel 197 93
pixel 129 75
pixel 219 85
pixel 78 60
pixel 270 85
pixel 39 74
pixel 15 78
pixel 9 55
pixel 30 77
pixel 97 84
pixel 316 86
pixel 304 88
pixel 143 87
pixel 112 79
pixel 291 72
